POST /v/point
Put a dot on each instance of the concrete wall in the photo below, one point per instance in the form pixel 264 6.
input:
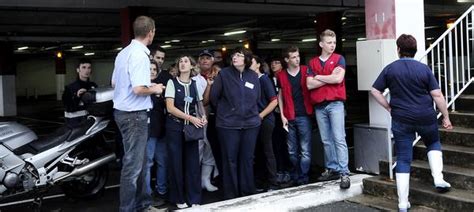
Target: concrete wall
pixel 39 75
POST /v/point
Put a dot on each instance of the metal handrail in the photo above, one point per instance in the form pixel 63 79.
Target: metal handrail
pixel 444 55
pixel 447 31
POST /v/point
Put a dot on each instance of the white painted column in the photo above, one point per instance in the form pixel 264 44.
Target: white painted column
pixel 7 80
pixel 7 95
pixel 60 85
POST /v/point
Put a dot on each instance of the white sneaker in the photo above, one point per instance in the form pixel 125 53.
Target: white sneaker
pixel 152 209
pixel 181 206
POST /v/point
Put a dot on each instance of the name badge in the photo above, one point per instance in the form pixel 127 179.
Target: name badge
pixel 249 85
pixel 188 99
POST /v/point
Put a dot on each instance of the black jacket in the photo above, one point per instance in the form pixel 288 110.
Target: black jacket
pixel 70 99
pixel 158 112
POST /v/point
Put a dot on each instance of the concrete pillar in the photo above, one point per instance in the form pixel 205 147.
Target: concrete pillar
pixel 7 80
pixel 387 20
pixel 127 16
pixel 60 76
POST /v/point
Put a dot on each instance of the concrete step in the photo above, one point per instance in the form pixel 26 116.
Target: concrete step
pixel 422 194
pixel 289 199
pixel 458 177
pixel 452 155
pixel 465 102
pixel 460 136
pixel 462 119
pixel 383 204
pixel 469 90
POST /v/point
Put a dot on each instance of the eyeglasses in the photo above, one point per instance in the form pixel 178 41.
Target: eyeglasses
pixel 238 55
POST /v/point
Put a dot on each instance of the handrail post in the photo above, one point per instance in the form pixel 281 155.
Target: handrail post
pixel 451 68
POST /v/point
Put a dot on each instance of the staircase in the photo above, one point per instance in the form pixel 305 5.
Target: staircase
pixel 458 154
pixel 450 58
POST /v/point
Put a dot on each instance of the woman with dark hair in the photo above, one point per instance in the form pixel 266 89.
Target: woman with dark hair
pixel 182 103
pixel 266 105
pixel 235 93
pixel 413 88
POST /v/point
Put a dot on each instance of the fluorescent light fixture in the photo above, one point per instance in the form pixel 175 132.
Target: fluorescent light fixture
pixel 235 32
pixel 23 48
pixel 431 27
pixel 89 53
pixel 240 41
pixel 50 48
pixel 361 38
pixel 175 41
pixel 309 40
pixel 204 41
pixel 168 41
pixel 211 40
pixel 275 39
pixel 343 39
pixel 343 18
pixel 465 1
pixel 119 48
pixel 165 46
pixel 77 47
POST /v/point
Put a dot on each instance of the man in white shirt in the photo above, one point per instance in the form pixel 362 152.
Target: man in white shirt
pixel 131 80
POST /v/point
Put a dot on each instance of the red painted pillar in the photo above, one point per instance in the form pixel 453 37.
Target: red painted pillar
pixel 127 16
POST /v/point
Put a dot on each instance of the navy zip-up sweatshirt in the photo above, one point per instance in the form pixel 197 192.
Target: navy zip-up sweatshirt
pixel 236 96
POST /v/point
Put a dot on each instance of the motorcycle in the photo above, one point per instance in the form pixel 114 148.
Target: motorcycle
pixel 74 158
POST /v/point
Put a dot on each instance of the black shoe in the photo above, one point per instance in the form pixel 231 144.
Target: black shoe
pixel 328 175
pixel 345 182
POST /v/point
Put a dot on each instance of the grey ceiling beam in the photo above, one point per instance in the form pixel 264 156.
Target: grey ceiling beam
pixel 263 7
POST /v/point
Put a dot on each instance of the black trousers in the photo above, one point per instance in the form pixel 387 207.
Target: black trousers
pixel 238 147
pixel 265 162
pixel 280 145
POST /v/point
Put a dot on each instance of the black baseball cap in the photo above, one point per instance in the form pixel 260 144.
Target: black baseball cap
pixel 206 52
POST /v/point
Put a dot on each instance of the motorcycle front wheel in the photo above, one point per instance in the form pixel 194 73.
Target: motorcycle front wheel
pixel 88 185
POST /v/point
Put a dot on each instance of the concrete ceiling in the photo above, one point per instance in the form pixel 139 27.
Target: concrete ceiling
pixel 46 26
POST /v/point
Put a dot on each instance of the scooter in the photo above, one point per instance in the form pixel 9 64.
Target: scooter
pixel 73 158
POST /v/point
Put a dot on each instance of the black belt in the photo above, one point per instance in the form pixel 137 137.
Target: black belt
pixel 134 111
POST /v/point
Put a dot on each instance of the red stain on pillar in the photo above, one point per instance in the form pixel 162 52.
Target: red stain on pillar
pixel 380 19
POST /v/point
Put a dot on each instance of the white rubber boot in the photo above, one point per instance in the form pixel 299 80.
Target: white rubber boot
pixel 206 172
pixel 435 158
pixel 403 188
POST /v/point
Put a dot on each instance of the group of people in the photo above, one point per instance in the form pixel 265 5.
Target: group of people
pixel 240 108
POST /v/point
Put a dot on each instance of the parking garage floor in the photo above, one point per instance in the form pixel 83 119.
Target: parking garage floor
pixel 44 116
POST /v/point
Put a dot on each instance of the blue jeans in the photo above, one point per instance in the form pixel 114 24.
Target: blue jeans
pixel 299 147
pixel 134 129
pixel 156 152
pixel 404 135
pixel 330 117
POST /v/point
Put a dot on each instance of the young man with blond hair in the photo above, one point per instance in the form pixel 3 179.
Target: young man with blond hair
pixel 328 93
